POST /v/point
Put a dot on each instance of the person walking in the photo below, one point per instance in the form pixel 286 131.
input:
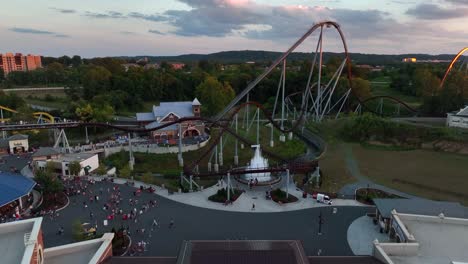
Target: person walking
pixel 171 223
pixel 60 231
pixel 155 223
pixel 253 207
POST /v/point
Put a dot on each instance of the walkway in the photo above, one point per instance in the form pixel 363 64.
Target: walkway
pixel 245 201
pixel 361 234
pixel 349 190
pixel 194 223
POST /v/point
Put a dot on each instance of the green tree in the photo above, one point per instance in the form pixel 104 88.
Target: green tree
pixel 47 180
pixel 426 83
pixel 85 113
pixel 75 168
pixel 77 230
pixel 214 95
pixel 101 170
pixel 125 172
pixel 147 177
pixel 95 80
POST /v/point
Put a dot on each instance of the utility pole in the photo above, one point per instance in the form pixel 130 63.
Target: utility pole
pixel 282 136
pixel 236 155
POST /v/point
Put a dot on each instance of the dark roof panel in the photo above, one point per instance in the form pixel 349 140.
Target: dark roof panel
pixel 242 252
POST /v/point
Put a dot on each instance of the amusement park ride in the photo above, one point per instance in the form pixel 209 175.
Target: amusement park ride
pixel 318 99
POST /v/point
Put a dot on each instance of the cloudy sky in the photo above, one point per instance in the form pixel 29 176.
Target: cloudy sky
pixel 170 27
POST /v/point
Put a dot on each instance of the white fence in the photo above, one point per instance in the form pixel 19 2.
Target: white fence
pixel 154 149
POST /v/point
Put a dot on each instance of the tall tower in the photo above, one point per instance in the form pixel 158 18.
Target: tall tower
pixel 196 107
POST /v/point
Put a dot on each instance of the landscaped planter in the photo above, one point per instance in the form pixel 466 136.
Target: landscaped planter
pixel 221 196
pixel 279 196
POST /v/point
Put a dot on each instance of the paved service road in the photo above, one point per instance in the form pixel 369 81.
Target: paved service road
pixel 194 223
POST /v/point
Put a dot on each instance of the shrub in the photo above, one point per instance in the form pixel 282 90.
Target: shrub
pixel 221 195
pixel 280 196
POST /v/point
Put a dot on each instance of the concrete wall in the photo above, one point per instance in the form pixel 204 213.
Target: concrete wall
pixel 400 249
pixel 380 254
pixel 152 150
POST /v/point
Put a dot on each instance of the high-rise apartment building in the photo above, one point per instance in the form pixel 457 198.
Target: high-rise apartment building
pixel 17 62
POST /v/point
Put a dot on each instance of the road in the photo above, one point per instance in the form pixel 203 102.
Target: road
pixel 205 224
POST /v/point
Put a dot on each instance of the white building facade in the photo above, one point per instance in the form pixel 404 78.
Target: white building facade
pixel 458 119
pixel 88 161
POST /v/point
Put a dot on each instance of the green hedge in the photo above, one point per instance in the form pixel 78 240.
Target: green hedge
pixel 221 195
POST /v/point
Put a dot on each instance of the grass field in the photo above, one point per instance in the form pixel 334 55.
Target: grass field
pixel 167 164
pixel 335 173
pixel 381 86
pixel 430 174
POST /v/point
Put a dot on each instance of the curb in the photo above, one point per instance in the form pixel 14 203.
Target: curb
pixel 128 247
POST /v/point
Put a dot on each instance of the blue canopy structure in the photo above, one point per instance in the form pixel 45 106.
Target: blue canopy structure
pixel 13 186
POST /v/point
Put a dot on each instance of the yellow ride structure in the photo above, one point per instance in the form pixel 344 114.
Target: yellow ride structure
pixel 43 115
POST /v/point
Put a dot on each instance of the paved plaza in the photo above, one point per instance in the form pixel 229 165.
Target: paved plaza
pixel 197 223
pixel 361 235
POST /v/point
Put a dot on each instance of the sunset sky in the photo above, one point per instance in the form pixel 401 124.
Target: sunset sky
pixel 170 27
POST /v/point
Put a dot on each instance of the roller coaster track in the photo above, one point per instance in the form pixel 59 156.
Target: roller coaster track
pixel 48 116
pixel 449 69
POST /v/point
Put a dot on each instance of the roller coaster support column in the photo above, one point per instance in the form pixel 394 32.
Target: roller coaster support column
pixel 131 161
pixel 181 159
pixel 272 142
pixel 247 113
pixel 221 151
pixel 258 126
pixel 287 183
pixel 62 137
pixel 216 165
pixel 228 186
pixel 319 85
pixel 282 137
pixel 317 177
pixel 236 155
pixel 191 181
pixel 1 117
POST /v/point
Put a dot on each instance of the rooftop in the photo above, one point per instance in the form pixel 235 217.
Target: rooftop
pixel 440 240
pixel 420 207
pixel 77 253
pixel 70 157
pixel 18 137
pixel 242 252
pixel 14 248
pixel 181 109
pixel 14 186
pixel 463 112
pixel 45 151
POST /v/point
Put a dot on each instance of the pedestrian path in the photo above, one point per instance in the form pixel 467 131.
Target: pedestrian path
pixel 244 203
pixel 361 234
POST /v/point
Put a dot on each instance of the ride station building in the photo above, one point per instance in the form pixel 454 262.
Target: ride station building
pixel 168 112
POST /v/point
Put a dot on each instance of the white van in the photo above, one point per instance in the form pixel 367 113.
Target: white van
pixel 322 198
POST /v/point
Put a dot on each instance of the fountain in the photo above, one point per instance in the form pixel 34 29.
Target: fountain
pixel 258 162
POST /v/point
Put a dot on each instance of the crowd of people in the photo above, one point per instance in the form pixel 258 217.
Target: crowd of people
pixel 107 205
